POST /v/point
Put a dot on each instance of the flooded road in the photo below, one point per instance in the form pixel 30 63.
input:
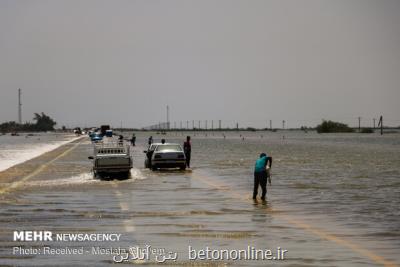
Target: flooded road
pixel 334 201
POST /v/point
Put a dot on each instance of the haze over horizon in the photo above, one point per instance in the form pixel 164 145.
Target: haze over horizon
pixel 86 63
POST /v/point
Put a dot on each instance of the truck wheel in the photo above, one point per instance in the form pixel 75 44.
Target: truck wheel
pixel 182 168
pixel 153 168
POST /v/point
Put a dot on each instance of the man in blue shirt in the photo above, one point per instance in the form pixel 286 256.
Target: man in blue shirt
pixel 261 174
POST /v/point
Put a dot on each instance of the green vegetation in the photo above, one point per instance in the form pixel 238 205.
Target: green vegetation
pixel 305 128
pixel 367 130
pixel 43 123
pixel 251 129
pixel 333 127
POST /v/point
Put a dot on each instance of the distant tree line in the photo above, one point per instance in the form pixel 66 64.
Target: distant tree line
pixel 42 123
pixel 333 127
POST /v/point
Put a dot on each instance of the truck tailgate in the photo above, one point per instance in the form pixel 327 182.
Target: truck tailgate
pixel 113 162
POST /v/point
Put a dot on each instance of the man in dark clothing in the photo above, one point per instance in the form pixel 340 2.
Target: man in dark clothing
pixel 150 140
pixel 133 139
pixel 261 174
pixel 187 148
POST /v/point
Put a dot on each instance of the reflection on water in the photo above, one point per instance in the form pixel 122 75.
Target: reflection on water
pixel 347 184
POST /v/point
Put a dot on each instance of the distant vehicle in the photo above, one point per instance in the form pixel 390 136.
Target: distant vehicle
pixel 167 155
pixel 103 129
pixel 77 131
pixel 109 133
pixel 96 137
pixel 111 158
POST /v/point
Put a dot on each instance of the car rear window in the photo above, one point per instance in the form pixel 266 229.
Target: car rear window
pixel 169 148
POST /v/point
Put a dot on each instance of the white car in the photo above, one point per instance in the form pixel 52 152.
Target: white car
pixel 168 155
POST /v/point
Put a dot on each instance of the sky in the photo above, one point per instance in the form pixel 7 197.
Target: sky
pixel 87 63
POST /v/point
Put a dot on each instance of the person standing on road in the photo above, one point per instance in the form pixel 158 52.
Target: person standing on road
pixel 187 148
pixel 150 140
pixel 261 174
pixel 133 139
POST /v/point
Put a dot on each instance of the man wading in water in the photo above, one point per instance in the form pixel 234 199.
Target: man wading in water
pixel 187 148
pixel 261 174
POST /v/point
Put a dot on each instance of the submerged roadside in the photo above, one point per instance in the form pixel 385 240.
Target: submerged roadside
pixel 15 176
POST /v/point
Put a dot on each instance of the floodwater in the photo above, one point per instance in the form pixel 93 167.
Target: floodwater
pixel 334 201
pixel 17 149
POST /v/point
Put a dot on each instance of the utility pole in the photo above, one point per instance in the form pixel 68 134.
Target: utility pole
pixel 206 124
pixel 359 124
pixel 212 124
pixel 187 125
pixel 181 125
pixel 380 123
pixel 270 125
pixel 167 117
pixel 374 122
pixel 19 107
pixel 192 124
pixel 283 124
pixel 175 125
pixel 219 124
pixel 237 126
pixel 199 124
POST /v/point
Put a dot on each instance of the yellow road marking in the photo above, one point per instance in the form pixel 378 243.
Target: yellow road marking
pixel 302 225
pixel 128 224
pixel 37 171
pixel 325 235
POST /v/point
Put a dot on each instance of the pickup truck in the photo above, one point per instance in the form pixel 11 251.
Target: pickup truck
pixel 111 158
